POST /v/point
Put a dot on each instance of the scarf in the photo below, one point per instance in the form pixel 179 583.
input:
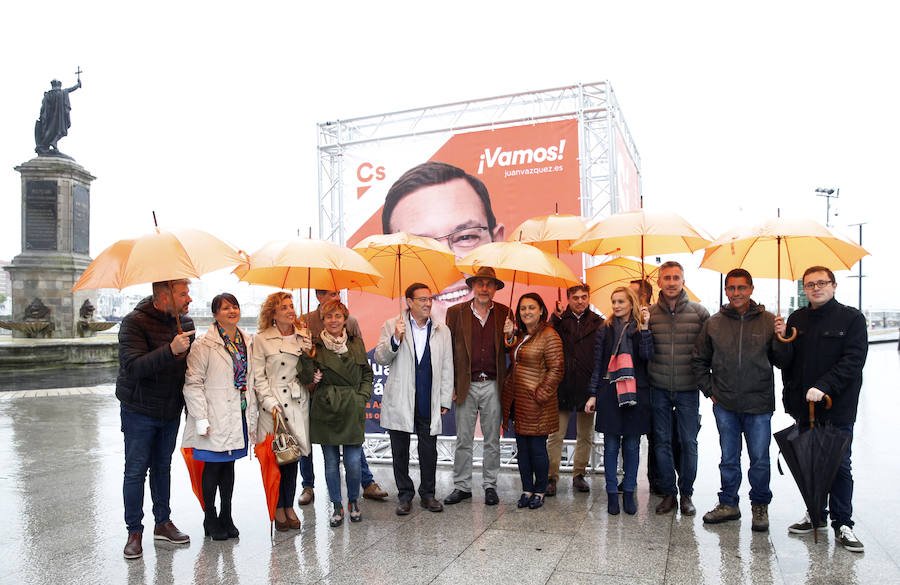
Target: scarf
pixel 621 364
pixel 238 351
pixel 336 344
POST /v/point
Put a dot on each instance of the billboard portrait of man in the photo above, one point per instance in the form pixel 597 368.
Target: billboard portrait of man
pixel 443 202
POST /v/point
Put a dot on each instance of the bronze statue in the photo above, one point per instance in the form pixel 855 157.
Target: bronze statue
pixel 87 310
pixel 54 122
pixel 37 310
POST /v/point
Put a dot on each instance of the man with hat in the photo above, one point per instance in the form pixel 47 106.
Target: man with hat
pixel 477 329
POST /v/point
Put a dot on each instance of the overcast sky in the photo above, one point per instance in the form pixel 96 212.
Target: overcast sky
pixel 206 112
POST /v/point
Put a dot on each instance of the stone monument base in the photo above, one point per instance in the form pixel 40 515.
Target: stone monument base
pixel 55 243
pixel 18 354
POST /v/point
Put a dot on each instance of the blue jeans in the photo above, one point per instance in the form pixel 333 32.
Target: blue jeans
pixel 333 472
pixel 149 443
pixel 840 498
pixel 757 430
pixel 308 473
pixel 687 413
pixel 631 456
pixel 534 462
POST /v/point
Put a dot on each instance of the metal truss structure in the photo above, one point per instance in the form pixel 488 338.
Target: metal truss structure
pixel 594 105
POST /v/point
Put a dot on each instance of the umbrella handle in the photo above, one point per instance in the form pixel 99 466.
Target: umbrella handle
pixel 792 337
pixel 812 410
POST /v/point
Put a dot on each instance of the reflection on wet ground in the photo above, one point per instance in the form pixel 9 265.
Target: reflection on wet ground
pixel 60 483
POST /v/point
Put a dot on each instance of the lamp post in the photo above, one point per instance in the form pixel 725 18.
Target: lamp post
pixel 860 276
pixel 828 193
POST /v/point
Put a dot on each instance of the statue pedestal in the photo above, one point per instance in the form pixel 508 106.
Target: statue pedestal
pixel 56 210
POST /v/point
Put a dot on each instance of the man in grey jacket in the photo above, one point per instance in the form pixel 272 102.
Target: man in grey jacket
pixel 732 362
pixel 418 391
pixel 675 322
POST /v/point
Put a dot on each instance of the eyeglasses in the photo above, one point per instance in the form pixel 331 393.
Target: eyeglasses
pixel 741 288
pixel 463 241
pixel 423 300
pixel 817 284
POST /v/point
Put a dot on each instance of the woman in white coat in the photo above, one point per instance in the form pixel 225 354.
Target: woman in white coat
pixel 276 351
pixel 221 412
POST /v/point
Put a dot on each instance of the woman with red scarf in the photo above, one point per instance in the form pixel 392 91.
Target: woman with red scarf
pixel 620 392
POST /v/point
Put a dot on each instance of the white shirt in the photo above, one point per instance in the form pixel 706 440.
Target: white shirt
pixel 477 316
pixel 419 337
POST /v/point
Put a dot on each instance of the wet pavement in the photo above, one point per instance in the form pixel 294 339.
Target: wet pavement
pixel 61 485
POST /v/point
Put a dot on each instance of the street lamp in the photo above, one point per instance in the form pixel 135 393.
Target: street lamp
pixel 828 193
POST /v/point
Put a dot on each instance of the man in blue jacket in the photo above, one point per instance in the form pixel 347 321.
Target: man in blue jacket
pixel 152 364
pixel 826 359
pixel 733 360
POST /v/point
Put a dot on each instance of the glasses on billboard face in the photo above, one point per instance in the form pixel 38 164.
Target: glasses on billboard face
pixel 464 240
pixel 817 284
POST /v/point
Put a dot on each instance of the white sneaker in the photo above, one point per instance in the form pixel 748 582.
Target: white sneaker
pixel 848 540
pixel 804 526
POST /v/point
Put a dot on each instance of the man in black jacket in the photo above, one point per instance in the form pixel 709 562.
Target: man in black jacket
pixel 577 327
pixel 732 361
pixel 152 364
pixel 826 359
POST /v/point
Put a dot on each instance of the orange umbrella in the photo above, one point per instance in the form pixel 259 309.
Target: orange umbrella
pixel 158 256
pixel 404 259
pixel 195 471
pixel 515 262
pixel 307 263
pixel 606 277
pixel 271 475
pixel 550 233
pixel 801 242
pixel 640 233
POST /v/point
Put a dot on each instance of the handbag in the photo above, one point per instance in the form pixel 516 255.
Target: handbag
pixel 284 445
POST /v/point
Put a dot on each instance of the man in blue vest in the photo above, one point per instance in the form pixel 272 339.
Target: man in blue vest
pixel 418 390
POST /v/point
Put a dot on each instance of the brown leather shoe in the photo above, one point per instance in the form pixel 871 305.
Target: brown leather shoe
pixel 687 506
pixel 404 508
pixel 373 491
pixel 306 496
pixel 133 548
pixel 431 504
pixel 169 532
pixel 666 505
pixel 292 521
pixel 551 488
pixel 580 484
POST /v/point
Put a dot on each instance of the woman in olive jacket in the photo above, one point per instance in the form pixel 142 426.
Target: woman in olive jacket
pixel 342 380
pixel 529 395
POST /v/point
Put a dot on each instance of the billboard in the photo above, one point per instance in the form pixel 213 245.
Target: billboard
pixel 528 170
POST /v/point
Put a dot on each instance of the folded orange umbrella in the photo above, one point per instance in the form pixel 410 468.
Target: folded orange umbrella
pixel 271 474
pixel 195 471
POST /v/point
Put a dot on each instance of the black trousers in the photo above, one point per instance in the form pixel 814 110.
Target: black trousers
pixel 427 449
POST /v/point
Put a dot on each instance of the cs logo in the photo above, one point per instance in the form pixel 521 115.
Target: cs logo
pixel 366 173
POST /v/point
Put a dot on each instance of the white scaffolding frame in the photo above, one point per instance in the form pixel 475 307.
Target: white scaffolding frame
pixel 593 105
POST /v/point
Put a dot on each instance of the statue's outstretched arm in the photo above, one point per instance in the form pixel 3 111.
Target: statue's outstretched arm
pixel 74 87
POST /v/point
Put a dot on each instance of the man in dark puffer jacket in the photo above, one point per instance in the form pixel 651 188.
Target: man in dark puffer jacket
pixel 675 322
pixel 152 364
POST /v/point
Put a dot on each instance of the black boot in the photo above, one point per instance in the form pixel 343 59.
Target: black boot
pixel 211 525
pixel 226 522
